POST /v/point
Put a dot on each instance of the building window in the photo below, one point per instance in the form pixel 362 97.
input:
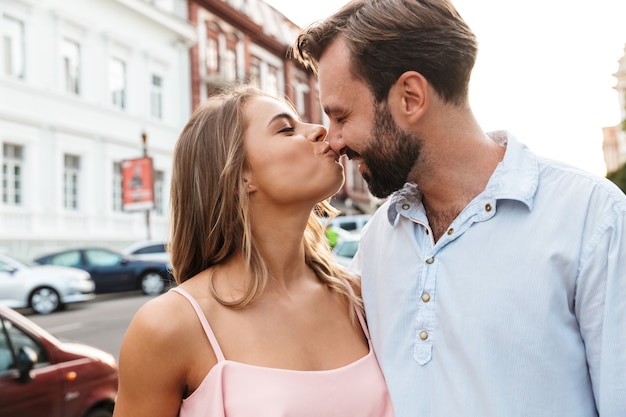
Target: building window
pixel 117 82
pixel 230 65
pixel 70 54
pixel 212 56
pixel 13 47
pixel 255 72
pixel 12 161
pixel 71 172
pixel 117 186
pixel 302 99
pixel 271 85
pixel 158 192
pixel 156 97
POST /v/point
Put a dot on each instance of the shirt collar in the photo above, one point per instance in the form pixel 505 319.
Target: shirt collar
pixel 515 178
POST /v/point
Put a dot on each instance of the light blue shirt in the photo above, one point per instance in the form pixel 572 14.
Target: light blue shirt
pixel 519 310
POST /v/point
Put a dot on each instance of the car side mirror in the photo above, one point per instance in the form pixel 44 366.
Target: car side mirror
pixel 26 360
pixel 10 270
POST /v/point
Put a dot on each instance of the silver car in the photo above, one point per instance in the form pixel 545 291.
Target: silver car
pixel 346 248
pixel 148 250
pixel 43 288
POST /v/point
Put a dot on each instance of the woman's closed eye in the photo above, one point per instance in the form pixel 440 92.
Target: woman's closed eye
pixel 287 129
pixel 284 122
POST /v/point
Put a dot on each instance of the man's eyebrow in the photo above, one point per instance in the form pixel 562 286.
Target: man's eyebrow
pixel 282 116
pixel 332 110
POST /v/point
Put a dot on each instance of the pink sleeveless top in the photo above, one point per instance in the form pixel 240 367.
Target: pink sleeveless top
pixel 234 389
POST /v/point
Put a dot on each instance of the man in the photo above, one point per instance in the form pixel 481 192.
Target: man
pixel 494 280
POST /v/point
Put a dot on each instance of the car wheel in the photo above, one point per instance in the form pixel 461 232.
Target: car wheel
pixel 99 412
pixel 44 300
pixel 152 283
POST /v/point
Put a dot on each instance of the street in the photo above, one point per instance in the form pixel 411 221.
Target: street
pixel 101 323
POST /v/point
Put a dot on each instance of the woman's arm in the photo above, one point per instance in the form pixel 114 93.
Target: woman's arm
pixel 153 360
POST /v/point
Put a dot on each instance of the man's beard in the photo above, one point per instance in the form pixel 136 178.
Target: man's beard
pixel 389 155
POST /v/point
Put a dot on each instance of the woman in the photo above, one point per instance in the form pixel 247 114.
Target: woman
pixel 262 323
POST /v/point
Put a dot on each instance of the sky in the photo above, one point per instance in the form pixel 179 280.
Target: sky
pixel 544 69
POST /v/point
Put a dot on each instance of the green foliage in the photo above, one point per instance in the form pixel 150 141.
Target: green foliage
pixel 619 177
pixel 624 125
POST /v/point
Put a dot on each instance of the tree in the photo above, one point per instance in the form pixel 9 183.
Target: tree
pixel 619 177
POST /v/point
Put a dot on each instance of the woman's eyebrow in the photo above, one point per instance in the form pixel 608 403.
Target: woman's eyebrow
pixel 282 116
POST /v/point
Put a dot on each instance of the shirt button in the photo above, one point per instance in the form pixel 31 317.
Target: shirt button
pixel 405 207
pixel 425 297
pixel 488 207
pixel 423 335
pixel 430 260
pixel 450 231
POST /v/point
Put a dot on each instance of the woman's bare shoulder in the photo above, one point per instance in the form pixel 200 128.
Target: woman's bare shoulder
pixel 164 321
pixel 154 358
pixel 164 313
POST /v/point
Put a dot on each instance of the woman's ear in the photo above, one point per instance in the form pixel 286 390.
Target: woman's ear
pixel 249 186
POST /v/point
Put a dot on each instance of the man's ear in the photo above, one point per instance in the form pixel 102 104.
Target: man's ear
pixel 408 98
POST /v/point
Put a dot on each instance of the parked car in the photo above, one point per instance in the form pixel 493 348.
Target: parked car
pixel 333 230
pixel 42 288
pixel 346 248
pixel 335 234
pixel 112 271
pixel 42 376
pixel 148 250
pixel 351 223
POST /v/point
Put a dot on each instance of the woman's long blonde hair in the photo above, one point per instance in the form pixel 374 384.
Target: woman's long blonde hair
pixel 210 218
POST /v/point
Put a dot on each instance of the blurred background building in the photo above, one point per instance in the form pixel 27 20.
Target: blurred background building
pixel 80 81
pixel 247 41
pixel 614 144
pixel 87 84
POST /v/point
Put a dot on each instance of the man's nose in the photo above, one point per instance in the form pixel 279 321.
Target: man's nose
pixel 335 139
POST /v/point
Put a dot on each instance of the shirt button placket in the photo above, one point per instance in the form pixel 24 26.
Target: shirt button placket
pixel 424 343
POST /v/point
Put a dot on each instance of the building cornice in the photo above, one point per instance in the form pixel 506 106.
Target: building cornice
pixel 185 31
pixel 245 24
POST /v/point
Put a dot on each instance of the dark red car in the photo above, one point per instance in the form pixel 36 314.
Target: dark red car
pixel 42 376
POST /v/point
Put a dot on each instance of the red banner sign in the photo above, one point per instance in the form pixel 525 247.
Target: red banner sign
pixel 137 184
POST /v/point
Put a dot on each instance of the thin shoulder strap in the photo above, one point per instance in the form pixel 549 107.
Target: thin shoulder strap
pixel 359 314
pixel 205 324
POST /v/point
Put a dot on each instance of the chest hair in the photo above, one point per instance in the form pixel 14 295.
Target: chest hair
pixel 439 221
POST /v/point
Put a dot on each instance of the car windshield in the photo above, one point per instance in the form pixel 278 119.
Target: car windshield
pixel 348 248
pixel 7 263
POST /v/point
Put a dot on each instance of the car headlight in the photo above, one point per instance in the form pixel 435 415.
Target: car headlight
pixel 78 279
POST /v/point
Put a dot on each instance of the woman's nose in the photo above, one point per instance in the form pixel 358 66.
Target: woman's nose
pixel 318 133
